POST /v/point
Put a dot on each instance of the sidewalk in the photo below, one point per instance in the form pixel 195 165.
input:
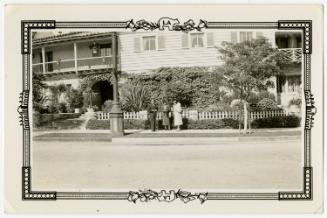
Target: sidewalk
pixel 129 131
pixel 147 136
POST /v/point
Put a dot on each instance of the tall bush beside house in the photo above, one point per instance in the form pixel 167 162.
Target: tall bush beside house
pixel 192 86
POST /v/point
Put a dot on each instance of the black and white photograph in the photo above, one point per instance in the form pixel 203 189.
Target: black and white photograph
pixel 177 104
pixel 186 109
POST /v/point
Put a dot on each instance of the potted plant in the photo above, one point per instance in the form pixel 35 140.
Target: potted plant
pixel 76 100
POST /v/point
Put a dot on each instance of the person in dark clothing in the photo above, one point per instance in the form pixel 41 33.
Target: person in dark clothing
pixel 152 115
pixel 165 116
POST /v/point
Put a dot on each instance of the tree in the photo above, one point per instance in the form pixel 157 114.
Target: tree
pixel 248 66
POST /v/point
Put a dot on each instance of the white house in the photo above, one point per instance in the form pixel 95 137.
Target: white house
pixel 68 57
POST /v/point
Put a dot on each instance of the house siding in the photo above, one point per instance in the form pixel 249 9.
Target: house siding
pixel 174 54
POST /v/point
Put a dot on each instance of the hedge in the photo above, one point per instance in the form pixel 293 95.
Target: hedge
pixel 128 124
pixel 271 122
pixel 210 124
pixel 277 122
pixel 43 119
pixel 60 125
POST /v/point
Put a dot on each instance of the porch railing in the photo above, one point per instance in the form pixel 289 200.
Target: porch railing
pixel 293 54
pixel 66 65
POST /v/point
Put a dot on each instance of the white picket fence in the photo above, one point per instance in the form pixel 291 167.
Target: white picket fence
pixel 200 115
pixel 127 115
pixel 218 115
pixel 264 114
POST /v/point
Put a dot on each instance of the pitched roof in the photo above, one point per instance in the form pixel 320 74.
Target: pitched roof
pixel 41 38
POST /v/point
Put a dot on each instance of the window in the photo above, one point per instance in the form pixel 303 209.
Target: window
pixel 105 50
pixel 245 36
pixel 281 82
pixel 294 84
pixel 149 43
pixel 49 58
pixel 197 40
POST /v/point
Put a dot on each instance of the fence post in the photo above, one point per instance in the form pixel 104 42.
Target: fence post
pixel 193 115
pixel 143 115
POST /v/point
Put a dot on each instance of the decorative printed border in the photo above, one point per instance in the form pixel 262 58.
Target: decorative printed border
pixel 162 24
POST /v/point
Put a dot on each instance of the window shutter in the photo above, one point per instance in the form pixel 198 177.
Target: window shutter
pixel 161 42
pixel 233 37
pixel 185 40
pixel 259 34
pixel 137 44
pixel 210 39
pixel 249 36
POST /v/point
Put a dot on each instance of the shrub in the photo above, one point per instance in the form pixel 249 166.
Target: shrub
pixel 36 119
pixel 191 86
pixel 231 123
pixel 137 124
pixel 292 121
pixel 60 124
pixel 210 124
pixel 277 122
pixel 128 124
pixel 267 104
pixel 75 99
pixel 62 107
pixel 53 109
pixel 98 124
pixel 134 97
pixel 266 94
pixel 295 101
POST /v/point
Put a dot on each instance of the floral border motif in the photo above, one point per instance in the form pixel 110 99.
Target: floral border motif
pixel 166 196
pixel 23 110
pixel 172 24
pixel 311 110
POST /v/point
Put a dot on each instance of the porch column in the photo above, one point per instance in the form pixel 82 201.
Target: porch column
pixel 43 59
pixel 116 114
pixel 75 57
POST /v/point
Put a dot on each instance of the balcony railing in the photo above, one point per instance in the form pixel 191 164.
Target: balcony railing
pixel 68 65
pixel 293 54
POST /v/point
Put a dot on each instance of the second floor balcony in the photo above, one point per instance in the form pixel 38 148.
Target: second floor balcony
pixel 74 65
pixel 293 55
pixel 75 52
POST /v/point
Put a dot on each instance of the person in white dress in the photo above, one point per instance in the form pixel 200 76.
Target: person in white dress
pixel 177 111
